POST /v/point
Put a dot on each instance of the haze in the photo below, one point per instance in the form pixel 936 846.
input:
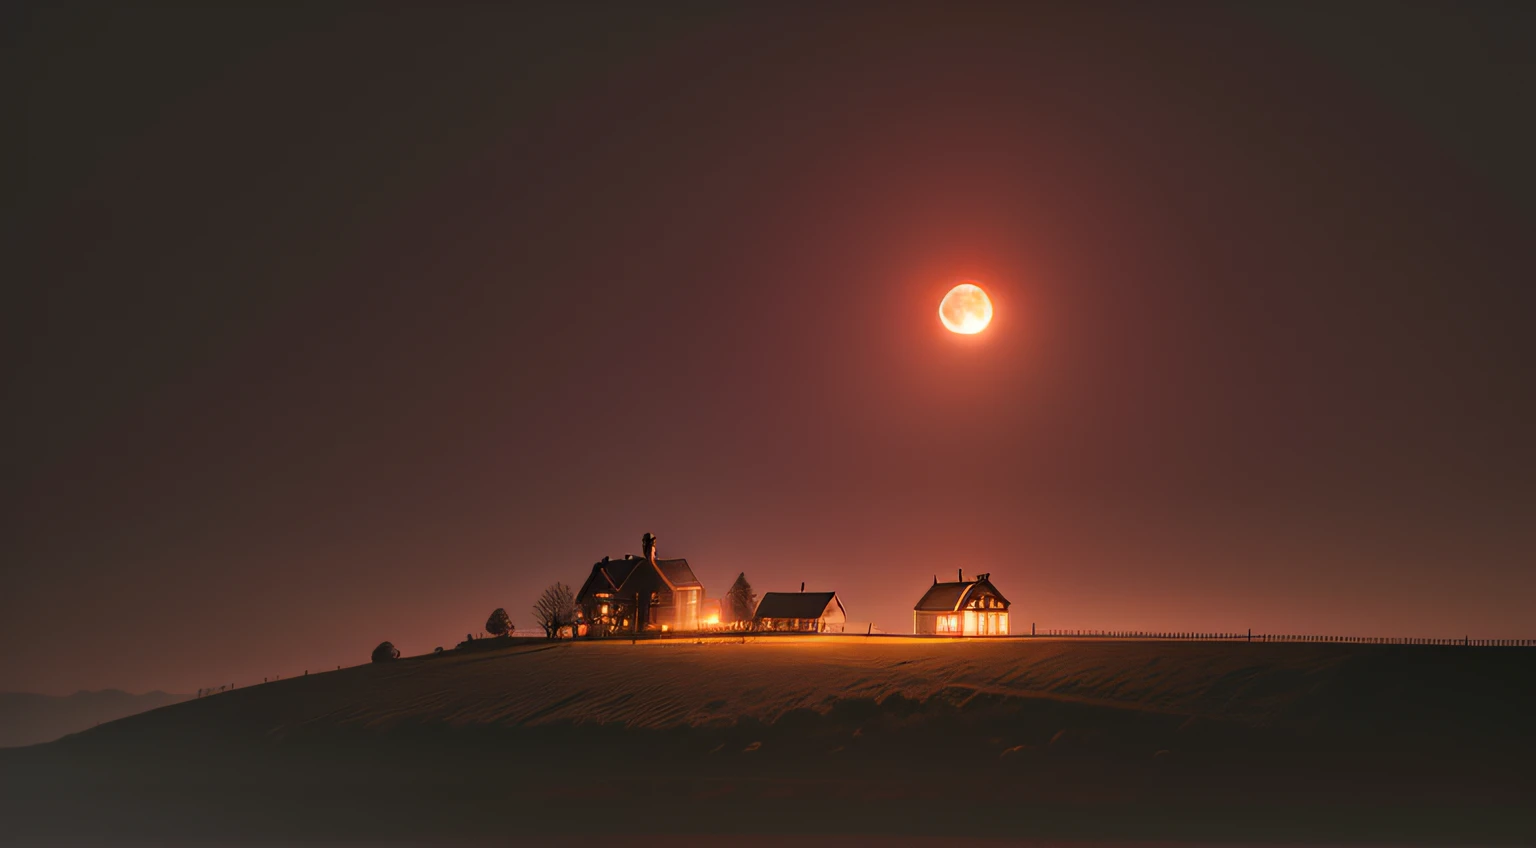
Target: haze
pixel 330 327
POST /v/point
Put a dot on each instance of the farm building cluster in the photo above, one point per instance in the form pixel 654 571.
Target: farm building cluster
pixel 648 594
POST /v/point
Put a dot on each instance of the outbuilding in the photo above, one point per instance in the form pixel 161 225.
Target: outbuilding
pixel 809 612
pixel 962 608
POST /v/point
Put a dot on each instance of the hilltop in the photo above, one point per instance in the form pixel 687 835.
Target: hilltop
pixel 1103 739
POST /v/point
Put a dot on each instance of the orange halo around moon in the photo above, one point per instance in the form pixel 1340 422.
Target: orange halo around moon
pixel 966 309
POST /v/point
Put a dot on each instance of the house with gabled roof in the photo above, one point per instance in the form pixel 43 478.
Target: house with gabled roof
pixel 640 593
pixel 962 608
pixel 811 612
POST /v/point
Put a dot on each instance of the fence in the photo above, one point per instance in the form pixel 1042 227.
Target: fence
pixel 1250 636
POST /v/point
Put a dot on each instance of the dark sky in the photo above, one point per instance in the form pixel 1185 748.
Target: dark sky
pixel 329 325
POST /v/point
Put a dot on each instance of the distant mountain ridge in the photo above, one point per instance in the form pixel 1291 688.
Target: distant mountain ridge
pixel 28 719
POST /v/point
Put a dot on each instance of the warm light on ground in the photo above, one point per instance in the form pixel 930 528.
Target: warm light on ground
pixel 966 309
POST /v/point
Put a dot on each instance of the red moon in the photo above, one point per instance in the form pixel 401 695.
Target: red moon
pixel 966 309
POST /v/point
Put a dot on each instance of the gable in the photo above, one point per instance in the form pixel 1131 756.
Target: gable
pixel 607 577
pixel 678 573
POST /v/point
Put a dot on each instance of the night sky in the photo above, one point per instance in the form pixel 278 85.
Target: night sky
pixel 325 326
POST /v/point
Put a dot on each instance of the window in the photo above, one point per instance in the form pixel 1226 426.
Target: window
pixel 947 624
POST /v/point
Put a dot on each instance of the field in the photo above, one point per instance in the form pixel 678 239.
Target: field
pixel 823 736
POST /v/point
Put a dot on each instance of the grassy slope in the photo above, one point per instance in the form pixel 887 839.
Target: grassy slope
pixel 28 719
pixel 1113 739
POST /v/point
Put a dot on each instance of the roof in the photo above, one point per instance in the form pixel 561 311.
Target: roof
pixel 607 576
pixel 948 597
pixel 677 572
pixel 794 604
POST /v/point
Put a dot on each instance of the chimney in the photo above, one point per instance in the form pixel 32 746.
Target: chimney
pixel 605 559
pixel 960 575
pixel 802 585
pixel 935 579
pixel 648 547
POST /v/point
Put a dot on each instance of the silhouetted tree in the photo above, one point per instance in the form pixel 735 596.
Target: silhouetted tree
pixel 556 609
pixel 740 600
pixel 499 624
pixel 385 652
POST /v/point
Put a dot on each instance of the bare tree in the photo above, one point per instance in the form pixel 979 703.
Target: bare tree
pixel 499 624
pixel 556 609
pixel 740 600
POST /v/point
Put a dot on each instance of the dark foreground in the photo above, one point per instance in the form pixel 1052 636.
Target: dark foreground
pixel 1294 744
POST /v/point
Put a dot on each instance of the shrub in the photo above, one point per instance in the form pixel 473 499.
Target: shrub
pixel 385 652
pixel 499 624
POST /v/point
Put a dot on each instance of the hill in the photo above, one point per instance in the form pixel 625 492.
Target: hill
pixel 1020 737
pixel 28 719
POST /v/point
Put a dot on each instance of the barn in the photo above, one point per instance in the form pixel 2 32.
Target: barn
pixel 962 608
pixel 810 612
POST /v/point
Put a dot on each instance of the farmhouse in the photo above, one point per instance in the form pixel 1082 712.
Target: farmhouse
pixel 962 608
pixel 639 593
pixel 813 612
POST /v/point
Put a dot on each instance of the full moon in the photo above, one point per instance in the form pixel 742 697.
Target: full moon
pixel 966 309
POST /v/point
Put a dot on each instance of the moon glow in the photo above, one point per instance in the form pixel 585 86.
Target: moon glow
pixel 966 309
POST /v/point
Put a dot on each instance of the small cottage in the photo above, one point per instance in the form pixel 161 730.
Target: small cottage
pixel 962 608
pixel 635 594
pixel 810 612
